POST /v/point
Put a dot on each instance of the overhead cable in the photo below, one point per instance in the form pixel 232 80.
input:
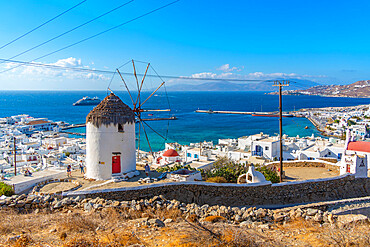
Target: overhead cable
pixel 43 24
pixel 98 34
pixel 156 75
pixel 71 30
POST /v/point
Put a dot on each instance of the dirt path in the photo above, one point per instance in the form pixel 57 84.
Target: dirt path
pixel 305 173
pixel 57 187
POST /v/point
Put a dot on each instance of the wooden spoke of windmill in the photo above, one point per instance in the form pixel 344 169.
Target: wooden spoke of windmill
pixel 138 110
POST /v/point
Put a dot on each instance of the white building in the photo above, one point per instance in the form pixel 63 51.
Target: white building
pixel 168 157
pixel 110 140
pixel 355 164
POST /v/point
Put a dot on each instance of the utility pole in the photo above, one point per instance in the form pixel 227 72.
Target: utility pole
pixel 281 84
pixel 15 157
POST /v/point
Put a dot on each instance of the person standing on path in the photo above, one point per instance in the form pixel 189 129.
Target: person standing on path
pixel 147 170
pixel 82 168
pixel 69 171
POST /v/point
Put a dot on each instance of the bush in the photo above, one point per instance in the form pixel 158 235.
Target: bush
pixel 216 180
pixel 6 189
pixel 350 122
pixel 269 174
pixel 225 168
pixel 174 168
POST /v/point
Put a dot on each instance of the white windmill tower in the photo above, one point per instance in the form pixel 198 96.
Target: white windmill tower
pixel 110 140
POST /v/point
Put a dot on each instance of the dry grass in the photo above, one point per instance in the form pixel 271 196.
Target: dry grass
pixel 216 180
pixel 112 227
pixel 215 218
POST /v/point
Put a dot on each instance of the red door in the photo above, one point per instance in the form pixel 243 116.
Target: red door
pixel 116 164
pixel 348 168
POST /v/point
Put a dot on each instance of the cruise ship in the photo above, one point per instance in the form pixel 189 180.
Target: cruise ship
pixel 88 101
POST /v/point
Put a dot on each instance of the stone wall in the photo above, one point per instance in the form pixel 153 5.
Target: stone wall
pixel 201 193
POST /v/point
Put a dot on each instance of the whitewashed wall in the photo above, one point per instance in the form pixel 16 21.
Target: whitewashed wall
pixel 101 142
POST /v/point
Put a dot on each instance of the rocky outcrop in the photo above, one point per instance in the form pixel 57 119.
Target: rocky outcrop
pixel 245 216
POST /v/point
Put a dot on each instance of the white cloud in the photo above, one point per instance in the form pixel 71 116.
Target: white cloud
pixel 278 75
pixel 39 73
pixel 204 75
pixel 246 77
pixel 227 68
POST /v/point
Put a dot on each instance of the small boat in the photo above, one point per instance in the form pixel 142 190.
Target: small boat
pixel 150 114
pixel 87 101
pixel 306 127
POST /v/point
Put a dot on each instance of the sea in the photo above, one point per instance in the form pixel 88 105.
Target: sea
pixel 190 127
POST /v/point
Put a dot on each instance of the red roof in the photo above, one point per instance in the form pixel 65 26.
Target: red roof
pixel 37 122
pixel 170 153
pixel 359 146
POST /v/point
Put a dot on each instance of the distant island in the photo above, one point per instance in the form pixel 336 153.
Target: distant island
pixel 263 86
pixel 359 89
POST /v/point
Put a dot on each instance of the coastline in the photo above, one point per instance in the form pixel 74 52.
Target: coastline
pixel 307 112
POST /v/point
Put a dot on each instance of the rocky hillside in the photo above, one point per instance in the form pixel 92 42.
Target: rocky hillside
pixel 51 221
pixel 359 89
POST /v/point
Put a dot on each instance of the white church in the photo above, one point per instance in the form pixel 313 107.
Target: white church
pixel 110 140
pixel 356 157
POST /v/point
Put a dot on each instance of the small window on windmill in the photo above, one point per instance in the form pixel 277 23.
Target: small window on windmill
pixel 120 128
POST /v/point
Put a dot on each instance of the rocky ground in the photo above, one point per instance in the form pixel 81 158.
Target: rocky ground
pixel 48 221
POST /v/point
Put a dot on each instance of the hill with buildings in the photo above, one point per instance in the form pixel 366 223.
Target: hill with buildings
pixel 359 89
pixel 263 86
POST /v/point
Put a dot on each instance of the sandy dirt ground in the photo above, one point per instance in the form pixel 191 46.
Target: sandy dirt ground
pixel 57 187
pixel 86 183
pixel 305 173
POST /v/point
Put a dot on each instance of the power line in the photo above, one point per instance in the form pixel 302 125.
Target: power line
pixel 43 24
pixel 51 66
pixel 71 30
pixel 156 75
pixel 100 33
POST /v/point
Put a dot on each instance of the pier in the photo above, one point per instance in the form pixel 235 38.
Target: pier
pixel 224 112
pixel 73 126
pixel 157 119
pixel 74 133
pixel 255 114
pixel 84 125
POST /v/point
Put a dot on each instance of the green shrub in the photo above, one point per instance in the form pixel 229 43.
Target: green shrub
pixel 174 168
pixel 350 122
pixel 216 180
pixel 6 189
pixel 225 168
pixel 269 174
pixel 230 171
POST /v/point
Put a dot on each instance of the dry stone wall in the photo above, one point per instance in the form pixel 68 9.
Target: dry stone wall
pixel 201 193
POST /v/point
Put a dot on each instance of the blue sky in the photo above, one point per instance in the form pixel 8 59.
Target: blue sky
pixel 325 41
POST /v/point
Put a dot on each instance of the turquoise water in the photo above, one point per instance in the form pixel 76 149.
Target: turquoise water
pixel 190 126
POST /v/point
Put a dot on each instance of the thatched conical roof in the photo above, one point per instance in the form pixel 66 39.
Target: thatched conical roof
pixel 111 110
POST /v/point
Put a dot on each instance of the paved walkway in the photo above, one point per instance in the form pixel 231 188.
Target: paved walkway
pixel 22 183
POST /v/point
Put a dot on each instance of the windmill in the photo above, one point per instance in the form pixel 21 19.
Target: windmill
pixel 138 106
